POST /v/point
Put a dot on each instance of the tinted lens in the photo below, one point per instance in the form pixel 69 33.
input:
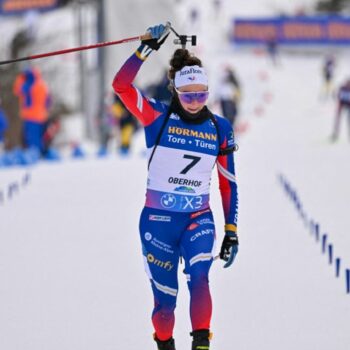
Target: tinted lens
pixel 189 97
pixel 202 96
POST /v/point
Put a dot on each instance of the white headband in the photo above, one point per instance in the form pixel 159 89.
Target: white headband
pixel 190 75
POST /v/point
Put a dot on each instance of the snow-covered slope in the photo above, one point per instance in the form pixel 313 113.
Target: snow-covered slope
pixel 71 271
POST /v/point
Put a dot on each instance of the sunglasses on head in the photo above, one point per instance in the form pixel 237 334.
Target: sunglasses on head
pixel 190 96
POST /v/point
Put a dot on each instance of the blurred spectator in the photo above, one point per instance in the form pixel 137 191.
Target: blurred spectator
pixel 34 102
pixel 328 74
pixel 229 94
pixel 159 91
pixel 300 11
pixel 194 17
pixel 272 49
pixel 3 127
pixel 119 123
pixel 343 105
pixel 217 5
pixel 105 124
pixel 52 127
pixel 127 125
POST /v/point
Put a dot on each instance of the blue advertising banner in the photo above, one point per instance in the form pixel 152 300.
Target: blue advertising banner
pixel 15 7
pixel 293 30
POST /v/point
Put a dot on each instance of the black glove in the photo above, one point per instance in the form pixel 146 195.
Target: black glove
pixel 229 248
pixel 159 33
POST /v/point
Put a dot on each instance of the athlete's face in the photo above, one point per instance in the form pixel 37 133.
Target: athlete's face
pixel 193 97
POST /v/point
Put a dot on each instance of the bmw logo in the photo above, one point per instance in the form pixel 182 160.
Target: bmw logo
pixel 168 201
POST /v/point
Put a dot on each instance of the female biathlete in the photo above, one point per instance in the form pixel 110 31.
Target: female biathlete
pixel 184 141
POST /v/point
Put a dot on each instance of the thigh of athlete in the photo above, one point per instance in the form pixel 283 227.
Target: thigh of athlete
pixel 198 242
pixel 160 233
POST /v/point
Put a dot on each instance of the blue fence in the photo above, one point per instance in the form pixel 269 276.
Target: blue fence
pixel 327 247
pixel 13 188
pixel 334 30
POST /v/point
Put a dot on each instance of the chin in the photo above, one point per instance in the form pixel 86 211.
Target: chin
pixel 193 111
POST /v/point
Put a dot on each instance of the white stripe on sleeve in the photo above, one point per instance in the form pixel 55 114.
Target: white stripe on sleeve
pixel 226 173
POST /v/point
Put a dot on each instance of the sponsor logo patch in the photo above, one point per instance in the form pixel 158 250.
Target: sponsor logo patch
pixel 190 71
pixel 199 213
pixel 205 221
pixel 159 218
pixel 148 236
pixel 185 182
pixel 185 189
pixel 174 116
pixel 201 234
pixel 166 265
pixel 175 130
pixel 193 226
pixel 168 201
pixel 162 246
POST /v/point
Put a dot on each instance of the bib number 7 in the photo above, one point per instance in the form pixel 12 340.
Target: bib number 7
pixel 194 161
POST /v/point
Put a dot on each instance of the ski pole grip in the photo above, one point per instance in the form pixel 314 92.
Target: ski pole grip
pixel 146 36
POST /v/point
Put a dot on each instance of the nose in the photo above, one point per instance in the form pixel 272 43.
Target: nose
pixel 194 103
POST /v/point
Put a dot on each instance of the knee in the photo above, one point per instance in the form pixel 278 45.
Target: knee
pixel 198 280
pixel 166 314
pixel 164 311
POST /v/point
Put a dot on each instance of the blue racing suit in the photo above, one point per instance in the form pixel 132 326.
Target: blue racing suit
pixel 177 219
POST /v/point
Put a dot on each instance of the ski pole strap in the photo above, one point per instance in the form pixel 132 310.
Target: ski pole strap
pixel 228 150
pixel 159 136
pixel 222 151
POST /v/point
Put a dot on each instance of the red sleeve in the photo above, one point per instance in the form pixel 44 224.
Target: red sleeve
pixel 133 99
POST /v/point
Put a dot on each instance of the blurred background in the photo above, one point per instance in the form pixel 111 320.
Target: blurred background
pixel 72 186
pixel 79 84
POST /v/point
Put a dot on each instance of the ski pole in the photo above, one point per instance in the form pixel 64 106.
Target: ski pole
pixel 183 39
pixel 80 48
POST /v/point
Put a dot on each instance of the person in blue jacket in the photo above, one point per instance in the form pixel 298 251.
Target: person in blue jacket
pixel 185 140
pixel 3 126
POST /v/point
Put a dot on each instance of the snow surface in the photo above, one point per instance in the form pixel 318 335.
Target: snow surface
pixel 71 269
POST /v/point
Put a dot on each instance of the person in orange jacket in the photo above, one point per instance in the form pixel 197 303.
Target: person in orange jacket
pixel 34 102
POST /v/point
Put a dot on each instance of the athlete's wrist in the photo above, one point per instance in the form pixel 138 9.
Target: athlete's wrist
pixel 231 228
pixel 143 51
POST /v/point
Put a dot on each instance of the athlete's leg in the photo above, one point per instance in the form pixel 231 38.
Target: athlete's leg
pixel 197 245
pixel 336 126
pixel 348 111
pixel 160 238
pixel 126 133
pixel 34 133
